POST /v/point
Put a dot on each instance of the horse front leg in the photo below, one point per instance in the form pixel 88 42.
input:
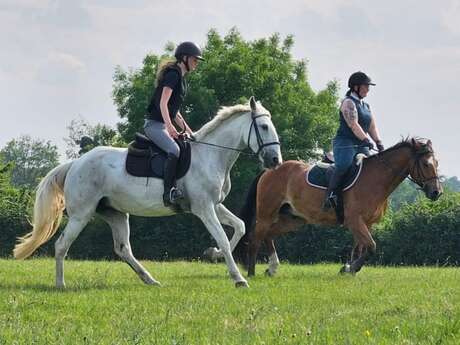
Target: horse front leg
pixel 364 243
pixel 227 218
pixel 208 216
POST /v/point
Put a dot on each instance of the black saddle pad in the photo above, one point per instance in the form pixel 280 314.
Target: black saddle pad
pixel 320 174
pixel 145 159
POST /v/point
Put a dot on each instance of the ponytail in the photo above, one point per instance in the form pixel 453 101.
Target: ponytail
pixel 163 65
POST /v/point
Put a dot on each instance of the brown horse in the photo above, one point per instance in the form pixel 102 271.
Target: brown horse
pixel 281 200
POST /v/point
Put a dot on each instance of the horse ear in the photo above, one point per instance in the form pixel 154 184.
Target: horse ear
pixel 252 102
pixel 428 143
pixel 415 144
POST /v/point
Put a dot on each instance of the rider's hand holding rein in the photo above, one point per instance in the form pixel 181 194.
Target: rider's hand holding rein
pixel 180 121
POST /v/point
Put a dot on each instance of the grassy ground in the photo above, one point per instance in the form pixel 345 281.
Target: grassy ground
pixel 105 303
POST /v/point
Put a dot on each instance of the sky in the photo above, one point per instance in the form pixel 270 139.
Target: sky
pixel 57 57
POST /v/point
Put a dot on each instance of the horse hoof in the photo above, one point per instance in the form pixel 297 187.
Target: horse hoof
pixel 269 273
pixel 242 284
pixel 148 280
pixel 210 255
pixel 345 269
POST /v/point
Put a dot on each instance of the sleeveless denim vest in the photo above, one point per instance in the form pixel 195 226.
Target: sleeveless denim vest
pixel 364 120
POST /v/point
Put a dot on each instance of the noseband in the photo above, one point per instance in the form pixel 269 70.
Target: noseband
pixel 260 142
pixel 422 181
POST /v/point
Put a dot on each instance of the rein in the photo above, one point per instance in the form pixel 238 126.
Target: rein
pixel 260 142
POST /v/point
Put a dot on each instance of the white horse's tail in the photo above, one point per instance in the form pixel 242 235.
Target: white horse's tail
pixel 48 209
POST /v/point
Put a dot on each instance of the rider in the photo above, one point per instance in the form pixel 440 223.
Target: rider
pixel 164 107
pixel 356 122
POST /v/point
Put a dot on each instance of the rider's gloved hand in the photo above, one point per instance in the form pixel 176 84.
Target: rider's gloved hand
pixel 368 143
pixel 380 146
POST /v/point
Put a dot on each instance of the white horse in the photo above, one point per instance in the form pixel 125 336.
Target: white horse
pixel 98 183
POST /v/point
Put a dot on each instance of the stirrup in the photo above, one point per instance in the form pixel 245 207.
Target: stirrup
pixel 175 194
pixel 330 201
pixel 170 198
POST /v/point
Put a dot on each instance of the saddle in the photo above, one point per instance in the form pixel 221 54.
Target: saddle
pixel 145 159
pixel 319 175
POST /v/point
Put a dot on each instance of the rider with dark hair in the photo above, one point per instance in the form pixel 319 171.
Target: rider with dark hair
pixel 356 122
pixel 164 107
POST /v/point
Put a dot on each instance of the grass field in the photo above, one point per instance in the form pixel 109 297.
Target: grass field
pixel 105 303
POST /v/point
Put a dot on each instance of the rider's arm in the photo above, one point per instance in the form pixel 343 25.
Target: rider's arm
pixel 181 123
pixel 374 132
pixel 165 96
pixel 350 114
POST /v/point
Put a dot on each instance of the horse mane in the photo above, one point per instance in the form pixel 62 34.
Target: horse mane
pixel 225 113
pixel 405 142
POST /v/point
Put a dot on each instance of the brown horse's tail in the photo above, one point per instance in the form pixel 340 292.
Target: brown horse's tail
pixel 247 215
pixel 48 208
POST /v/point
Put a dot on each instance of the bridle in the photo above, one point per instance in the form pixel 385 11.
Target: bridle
pixel 260 141
pixel 421 180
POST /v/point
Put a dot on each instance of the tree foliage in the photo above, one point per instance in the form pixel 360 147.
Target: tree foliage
pixel 83 137
pixel 31 159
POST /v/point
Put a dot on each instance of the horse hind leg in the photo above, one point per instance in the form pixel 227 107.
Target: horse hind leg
pixel 73 228
pixel 286 222
pixel 119 223
pixel 273 261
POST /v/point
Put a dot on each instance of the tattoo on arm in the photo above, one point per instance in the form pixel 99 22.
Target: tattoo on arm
pixel 349 112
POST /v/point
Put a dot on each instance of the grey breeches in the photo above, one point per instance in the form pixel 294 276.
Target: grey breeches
pixel 156 131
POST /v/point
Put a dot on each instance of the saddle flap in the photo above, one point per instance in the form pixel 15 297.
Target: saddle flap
pixel 319 174
pixel 145 159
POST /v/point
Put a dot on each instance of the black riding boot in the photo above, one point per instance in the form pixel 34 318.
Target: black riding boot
pixel 331 194
pixel 171 194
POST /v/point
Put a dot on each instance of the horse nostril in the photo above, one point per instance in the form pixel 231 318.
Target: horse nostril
pixel 275 160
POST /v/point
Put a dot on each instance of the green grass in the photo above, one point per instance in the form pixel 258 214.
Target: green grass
pixel 105 303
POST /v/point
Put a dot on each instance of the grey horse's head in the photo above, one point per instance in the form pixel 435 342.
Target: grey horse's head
pixel 262 136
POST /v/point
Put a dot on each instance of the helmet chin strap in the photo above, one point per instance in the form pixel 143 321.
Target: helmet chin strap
pixel 357 92
pixel 187 66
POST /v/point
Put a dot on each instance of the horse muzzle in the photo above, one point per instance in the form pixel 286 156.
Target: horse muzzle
pixel 433 193
pixel 272 160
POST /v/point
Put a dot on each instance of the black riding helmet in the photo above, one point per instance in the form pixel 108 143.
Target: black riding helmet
pixel 188 49
pixel 359 78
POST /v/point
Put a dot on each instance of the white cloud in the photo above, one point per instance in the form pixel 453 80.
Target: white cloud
pixel 60 68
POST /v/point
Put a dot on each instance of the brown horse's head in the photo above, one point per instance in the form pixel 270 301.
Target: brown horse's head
pixel 424 171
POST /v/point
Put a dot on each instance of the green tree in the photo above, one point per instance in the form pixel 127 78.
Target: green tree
pixel 14 203
pixel 84 137
pixel 31 159
pixel 234 70
pixel 422 232
pixel 451 183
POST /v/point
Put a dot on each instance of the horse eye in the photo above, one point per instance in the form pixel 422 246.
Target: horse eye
pixel 264 127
